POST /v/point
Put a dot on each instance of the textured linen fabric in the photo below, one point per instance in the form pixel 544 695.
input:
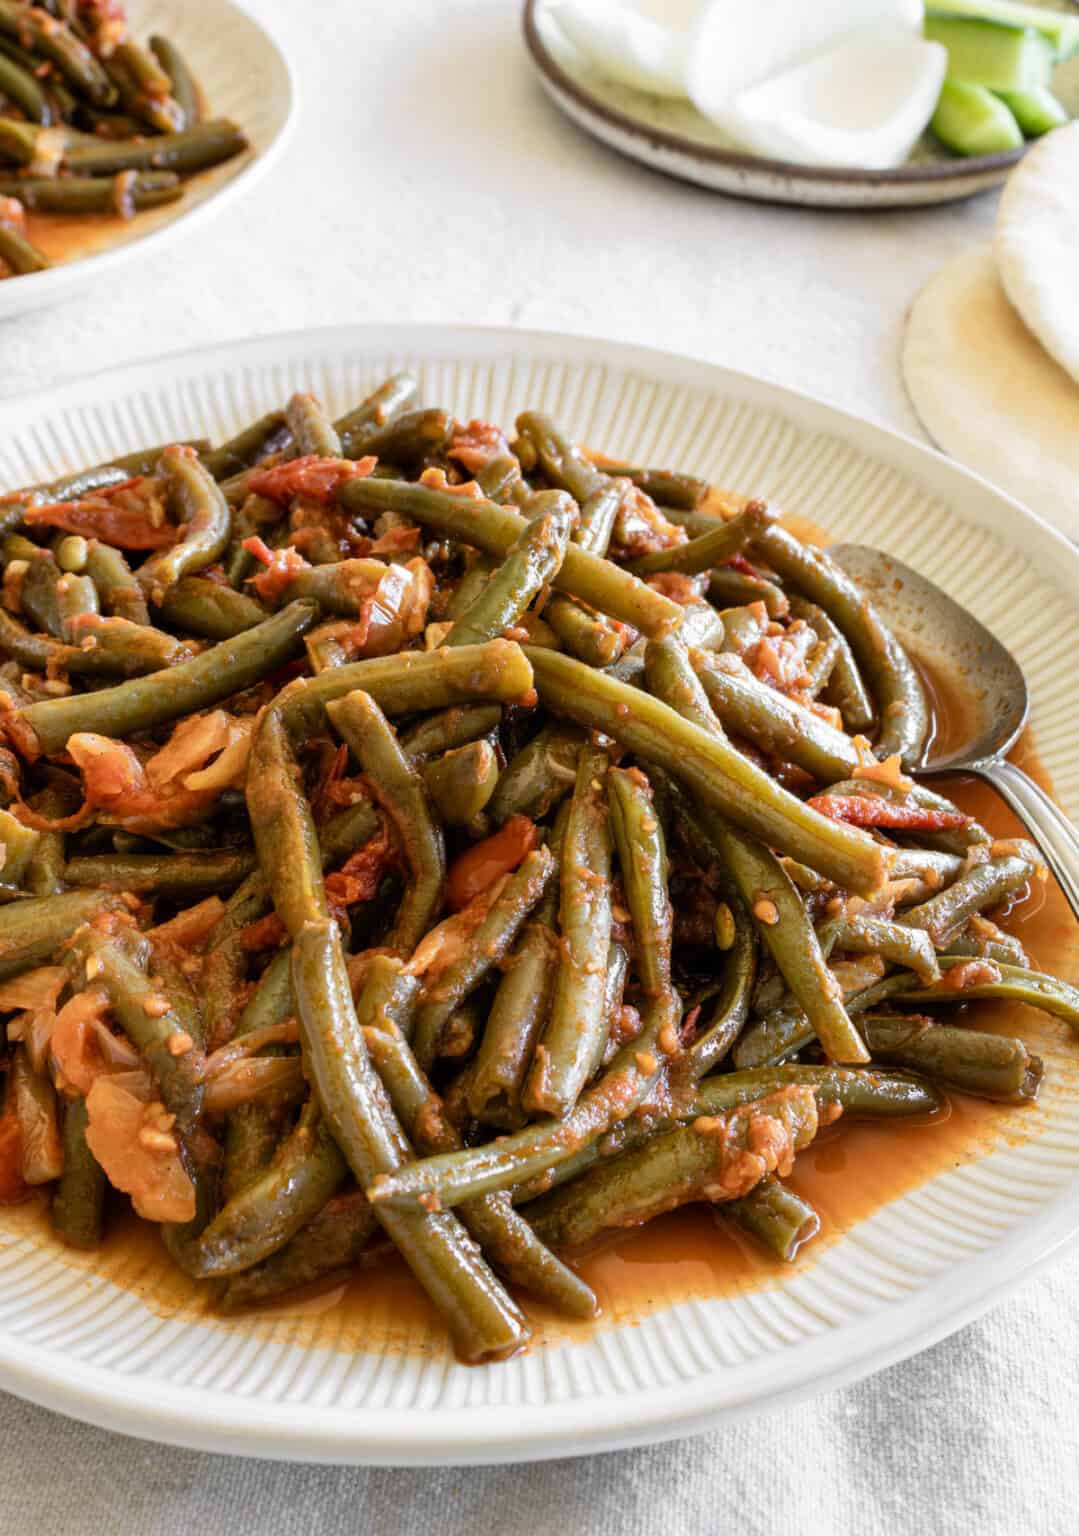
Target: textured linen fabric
pixel 429 180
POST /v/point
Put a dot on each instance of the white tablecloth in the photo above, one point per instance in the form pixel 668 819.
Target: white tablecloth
pixel 429 179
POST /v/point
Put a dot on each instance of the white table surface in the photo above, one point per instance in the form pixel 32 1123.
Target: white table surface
pixel 429 179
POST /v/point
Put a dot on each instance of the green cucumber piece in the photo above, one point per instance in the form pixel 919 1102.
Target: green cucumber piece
pixel 972 121
pixel 1060 29
pixel 1035 111
pixel 991 53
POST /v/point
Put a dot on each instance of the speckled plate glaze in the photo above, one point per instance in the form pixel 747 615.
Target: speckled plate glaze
pixel 918 1268
pixel 245 76
pixel 673 137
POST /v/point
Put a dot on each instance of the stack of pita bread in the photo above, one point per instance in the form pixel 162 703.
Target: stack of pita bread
pixel 991 355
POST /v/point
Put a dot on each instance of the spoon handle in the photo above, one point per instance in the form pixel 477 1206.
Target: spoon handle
pixel 1054 833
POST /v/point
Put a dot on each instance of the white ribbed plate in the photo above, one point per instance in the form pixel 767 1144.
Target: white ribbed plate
pixel 244 76
pixel 911 1273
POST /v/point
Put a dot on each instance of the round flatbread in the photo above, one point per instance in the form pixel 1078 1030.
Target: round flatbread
pixel 989 394
pixel 1037 243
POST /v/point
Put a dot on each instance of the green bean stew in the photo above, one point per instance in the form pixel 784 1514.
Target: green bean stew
pixel 92 123
pixel 406 846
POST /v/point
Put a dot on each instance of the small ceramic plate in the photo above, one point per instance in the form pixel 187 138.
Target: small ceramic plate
pixel 116 1338
pixel 244 76
pixel 673 137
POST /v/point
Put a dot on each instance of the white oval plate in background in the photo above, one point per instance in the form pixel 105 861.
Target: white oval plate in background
pixel 671 136
pixel 244 76
pixel 897 1281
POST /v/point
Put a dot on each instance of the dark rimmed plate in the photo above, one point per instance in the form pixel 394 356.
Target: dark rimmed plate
pixel 674 138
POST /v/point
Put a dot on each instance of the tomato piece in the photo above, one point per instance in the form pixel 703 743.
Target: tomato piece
pixel 872 811
pixel 483 863
pixel 12 1186
pixel 315 478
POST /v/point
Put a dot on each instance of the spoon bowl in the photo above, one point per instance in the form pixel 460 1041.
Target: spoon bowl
pixel 987 701
pixel 955 647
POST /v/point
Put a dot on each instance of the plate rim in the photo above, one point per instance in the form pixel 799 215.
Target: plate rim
pixel 37 290
pixel 209 1419
pixel 976 168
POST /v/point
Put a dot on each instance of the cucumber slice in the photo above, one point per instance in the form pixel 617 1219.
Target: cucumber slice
pixel 972 121
pixel 991 53
pixel 1035 111
pixel 1061 30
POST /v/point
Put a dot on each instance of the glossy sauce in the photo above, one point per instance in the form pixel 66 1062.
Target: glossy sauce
pixel 69 237
pixel 851 1170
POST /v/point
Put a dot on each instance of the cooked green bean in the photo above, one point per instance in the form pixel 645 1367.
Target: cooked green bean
pixel 563 463
pixel 712 548
pixel 729 588
pixel 991 1066
pixel 669 487
pixel 411 437
pixel 45 871
pixel 902 711
pixel 496 529
pixel 711 769
pixel 21 88
pixel 183 86
pixel 193 149
pixel 845 688
pixel 78 1206
pixel 205 520
pixel 484 1321
pixel 166 874
pixel 985 885
pixel 896 943
pixel 1014 983
pixel 539 776
pixel 114 579
pixel 730 1006
pixel 490 942
pixel 206 608
pixel 642 860
pixel 462 781
pixel 776 907
pixel 450 728
pixel 331 1242
pixel 31 931
pixel 576 1030
pixel 531 562
pixel 260 1219
pixel 312 430
pixel 776 1216
pixel 693 1162
pixel 357 427
pixel 588 636
pixel 400 791
pixel 262 437
pixel 124 194
pixel 517 1016
pixel 773 722
pixel 19 253
pixel 51 39
pixel 142 703
pixel 506 1238
pixel 150 1018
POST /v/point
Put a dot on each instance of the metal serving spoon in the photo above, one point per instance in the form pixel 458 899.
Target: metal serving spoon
pixel 991 684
